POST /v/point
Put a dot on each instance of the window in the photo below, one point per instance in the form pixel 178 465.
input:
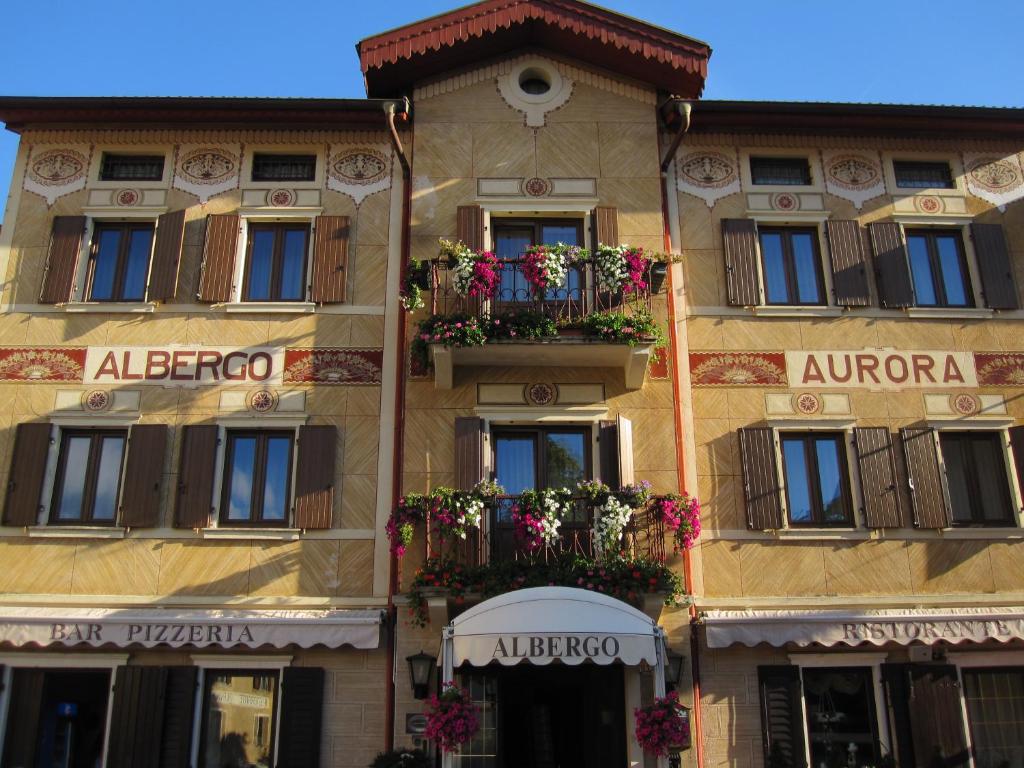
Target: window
pixel 995 714
pixel 784 171
pixel 979 490
pixel 841 722
pixel 119 262
pixel 266 167
pixel 131 167
pixel 257 477
pixel 938 268
pixel 513 238
pixel 912 174
pixel 238 719
pixel 275 265
pixel 88 477
pixel 816 487
pixel 791 265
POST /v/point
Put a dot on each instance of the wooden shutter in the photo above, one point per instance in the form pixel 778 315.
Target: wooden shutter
pixel 761 479
pixel 163 274
pixel 927 716
pixel 739 240
pixel 1017 442
pixel 136 722
pixel 625 441
pixel 849 263
pixel 215 283
pixel 605 222
pixel 23 717
pixel 302 694
pixel 470 226
pixel 782 727
pixel 62 259
pixel 195 476
pixel 28 467
pixel 143 475
pixel 997 283
pixel 926 497
pixel 330 259
pixel 892 270
pixel 877 464
pixel 314 476
pixel 179 708
pixel 608 453
pixel 469 451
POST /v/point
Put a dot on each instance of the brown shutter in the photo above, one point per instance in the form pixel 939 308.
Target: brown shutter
pixel 302 705
pixel 314 476
pixel 23 718
pixel 892 270
pixel 163 274
pixel 330 259
pixel 739 240
pixel 136 722
pixel 625 440
pixel 997 283
pixel 469 451
pixel 849 263
pixel 470 226
pixel 179 708
pixel 62 259
pixel 1017 442
pixel 877 464
pixel 608 453
pixel 28 466
pixel 927 715
pixel 143 476
pixel 219 257
pixel 926 497
pixel 195 476
pixel 761 479
pixel 782 727
pixel 606 226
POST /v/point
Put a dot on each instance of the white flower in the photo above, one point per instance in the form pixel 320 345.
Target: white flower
pixel 462 271
pixel 610 267
pixel 610 521
pixel 472 513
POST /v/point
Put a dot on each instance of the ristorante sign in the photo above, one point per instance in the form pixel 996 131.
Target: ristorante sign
pixel 183 366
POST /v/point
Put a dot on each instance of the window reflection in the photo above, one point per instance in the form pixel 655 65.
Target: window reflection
pixel 841 724
pixel 238 720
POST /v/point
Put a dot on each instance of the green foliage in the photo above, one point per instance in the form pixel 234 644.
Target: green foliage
pixel 402 758
pixel 632 329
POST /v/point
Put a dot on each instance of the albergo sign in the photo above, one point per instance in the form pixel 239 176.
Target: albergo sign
pixel 881 369
pixel 174 366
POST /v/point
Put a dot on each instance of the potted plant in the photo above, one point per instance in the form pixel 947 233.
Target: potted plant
pixel 681 515
pixel 451 717
pixel 662 727
pixel 402 758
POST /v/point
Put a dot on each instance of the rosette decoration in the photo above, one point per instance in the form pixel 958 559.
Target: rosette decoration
pixel 451 717
pixel 662 727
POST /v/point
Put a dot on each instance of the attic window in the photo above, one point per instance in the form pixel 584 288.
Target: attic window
pixel 535 81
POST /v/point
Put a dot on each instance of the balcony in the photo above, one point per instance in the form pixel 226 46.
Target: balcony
pixel 572 324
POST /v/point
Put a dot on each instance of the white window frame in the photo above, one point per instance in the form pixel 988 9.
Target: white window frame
pixel 813 162
pixel 319 152
pixel 151 149
pixel 889 158
pixel 238 303
pixel 980 660
pixel 958 224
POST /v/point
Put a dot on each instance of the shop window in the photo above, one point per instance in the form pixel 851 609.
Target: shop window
pixel 979 490
pixel 938 268
pixel 131 167
pixel 842 727
pixel 995 715
pixel 271 167
pixel 791 265
pixel 781 171
pixel 513 238
pixel 238 719
pixel 913 174
pixel 119 262
pixel 275 265
pixel 482 750
pixel 817 492
pixel 88 476
pixel 257 477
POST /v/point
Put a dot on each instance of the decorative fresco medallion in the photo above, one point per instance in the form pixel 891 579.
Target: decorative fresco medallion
pixel 806 403
pixel 53 173
pixel 261 401
pixel 540 394
pixel 126 198
pixel 358 171
pixel 853 175
pixel 281 198
pixel 536 187
pixel 738 369
pixel 42 364
pixel 1000 369
pixel 998 180
pixel 928 204
pixel 96 400
pixel 333 366
pixel 708 174
pixel 205 171
pixel 964 404
pixel 784 201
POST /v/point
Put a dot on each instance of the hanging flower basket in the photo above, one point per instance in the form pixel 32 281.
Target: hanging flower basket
pixel 662 727
pixel 475 274
pixel 681 516
pixel 659 271
pixel 451 718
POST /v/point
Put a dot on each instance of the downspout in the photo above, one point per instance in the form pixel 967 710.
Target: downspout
pixel 684 109
pixel 391 669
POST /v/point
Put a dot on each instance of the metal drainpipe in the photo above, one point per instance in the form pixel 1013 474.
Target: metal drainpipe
pixel 391 669
pixel 684 108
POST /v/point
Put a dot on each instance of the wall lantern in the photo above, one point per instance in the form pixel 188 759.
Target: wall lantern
pixel 673 668
pixel 421 667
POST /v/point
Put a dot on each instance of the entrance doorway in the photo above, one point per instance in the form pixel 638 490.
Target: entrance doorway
pixel 57 718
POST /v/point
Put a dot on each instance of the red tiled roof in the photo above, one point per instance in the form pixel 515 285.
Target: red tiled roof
pixel 392 61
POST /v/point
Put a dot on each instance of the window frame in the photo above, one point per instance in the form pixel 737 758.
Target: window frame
pixel 538 431
pixel 127 226
pixel 807 437
pixel 291 155
pixel 205 687
pixel 259 475
pixel 807 181
pixel 97 435
pixel 998 436
pixel 277 259
pixel 786 233
pixel 931 235
pixel 897 162
pixel 536 225
pixel 96 181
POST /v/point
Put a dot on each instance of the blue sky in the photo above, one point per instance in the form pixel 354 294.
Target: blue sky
pixel 941 52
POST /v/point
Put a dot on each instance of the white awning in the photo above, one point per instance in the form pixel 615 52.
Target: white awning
pixel 549 624
pixel 96 627
pixel 903 626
